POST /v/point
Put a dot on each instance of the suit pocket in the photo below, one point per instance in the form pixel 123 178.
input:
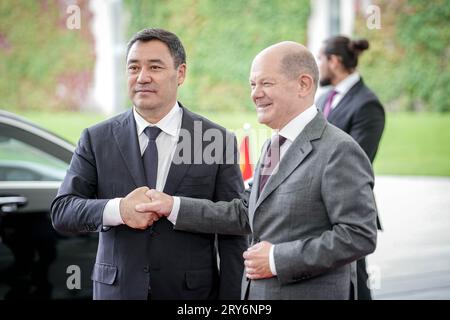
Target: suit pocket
pixel 292 187
pixel 104 273
pixel 196 279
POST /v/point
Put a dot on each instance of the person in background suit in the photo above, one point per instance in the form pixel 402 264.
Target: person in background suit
pixel 352 107
pixel 116 161
pixel 311 210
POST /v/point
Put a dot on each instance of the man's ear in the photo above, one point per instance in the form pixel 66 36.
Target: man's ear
pixel 181 73
pixel 305 85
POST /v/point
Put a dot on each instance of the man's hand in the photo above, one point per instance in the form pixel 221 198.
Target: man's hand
pixel 132 218
pixel 257 261
pixel 160 204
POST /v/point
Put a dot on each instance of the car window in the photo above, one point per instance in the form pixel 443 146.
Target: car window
pixel 20 161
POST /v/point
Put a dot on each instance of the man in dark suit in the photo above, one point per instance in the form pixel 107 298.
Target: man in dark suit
pixel 310 210
pixel 351 106
pixel 116 161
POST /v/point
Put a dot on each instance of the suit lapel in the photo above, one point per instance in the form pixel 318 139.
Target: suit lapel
pixel 294 156
pixel 344 101
pixel 178 171
pixel 255 187
pixel 296 153
pixel 125 134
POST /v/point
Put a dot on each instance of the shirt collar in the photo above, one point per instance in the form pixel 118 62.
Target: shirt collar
pixel 294 127
pixel 169 124
pixel 345 85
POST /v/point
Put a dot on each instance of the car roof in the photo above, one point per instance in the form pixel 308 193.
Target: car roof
pixel 23 123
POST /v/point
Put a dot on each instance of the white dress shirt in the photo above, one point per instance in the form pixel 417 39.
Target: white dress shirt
pixel 166 143
pixel 290 131
pixel 343 87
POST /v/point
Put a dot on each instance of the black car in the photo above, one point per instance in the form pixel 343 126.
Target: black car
pixel 36 262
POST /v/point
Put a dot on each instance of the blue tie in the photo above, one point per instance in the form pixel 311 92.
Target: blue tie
pixel 150 156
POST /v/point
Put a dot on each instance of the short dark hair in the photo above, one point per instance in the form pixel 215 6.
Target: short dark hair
pixel 295 63
pixel 170 39
pixel 348 50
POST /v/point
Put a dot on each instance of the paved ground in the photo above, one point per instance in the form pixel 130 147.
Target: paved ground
pixel 412 259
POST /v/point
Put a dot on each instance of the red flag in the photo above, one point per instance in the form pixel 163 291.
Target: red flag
pixel 244 161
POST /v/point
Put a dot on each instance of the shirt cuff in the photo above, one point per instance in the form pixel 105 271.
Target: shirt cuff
pixel 111 213
pixel 172 217
pixel 272 261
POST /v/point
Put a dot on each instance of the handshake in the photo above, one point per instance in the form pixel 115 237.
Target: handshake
pixel 143 206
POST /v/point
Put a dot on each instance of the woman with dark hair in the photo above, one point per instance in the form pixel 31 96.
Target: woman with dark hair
pixel 351 106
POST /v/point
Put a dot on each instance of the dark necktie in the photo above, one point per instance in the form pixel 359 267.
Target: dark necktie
pixel 270 160
pixel 327 108
pixel 150 161
pixel 150 156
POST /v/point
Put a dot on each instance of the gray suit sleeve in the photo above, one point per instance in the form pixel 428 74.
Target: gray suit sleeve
pixel 346 191
pixel 199 215
pixel 75 208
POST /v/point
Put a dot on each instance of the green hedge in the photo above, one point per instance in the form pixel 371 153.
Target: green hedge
pixel 408 62
pixel 43 65
pixel 221 38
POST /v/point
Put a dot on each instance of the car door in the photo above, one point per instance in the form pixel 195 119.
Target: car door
pixel 35 260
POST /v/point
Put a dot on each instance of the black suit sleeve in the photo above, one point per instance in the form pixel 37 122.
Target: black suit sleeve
pixel 229 185
pixel 76 207
pixel 367 127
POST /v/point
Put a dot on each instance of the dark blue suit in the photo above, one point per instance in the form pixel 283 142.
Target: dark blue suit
pixel 361 115
pixel 176 265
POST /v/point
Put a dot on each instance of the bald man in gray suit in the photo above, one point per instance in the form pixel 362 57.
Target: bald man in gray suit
pixel 311 209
